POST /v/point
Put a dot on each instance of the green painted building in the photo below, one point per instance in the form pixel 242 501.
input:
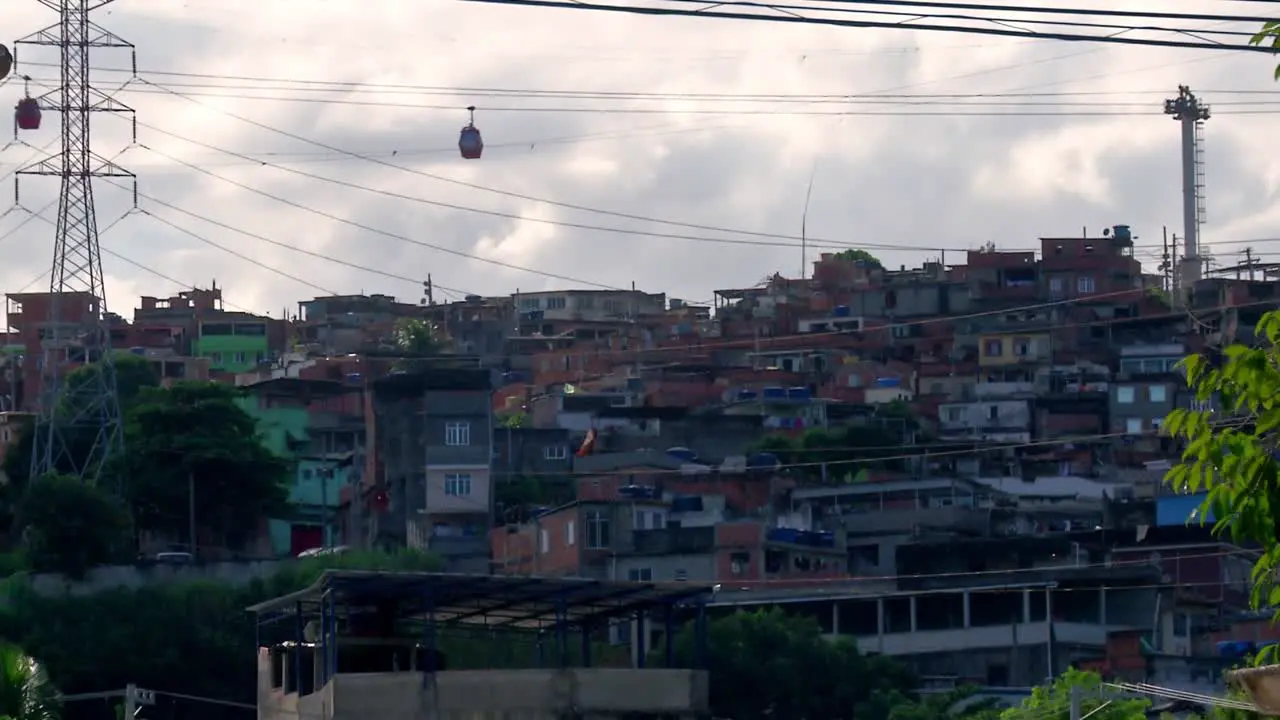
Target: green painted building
pixel 232 345
pixel 292 430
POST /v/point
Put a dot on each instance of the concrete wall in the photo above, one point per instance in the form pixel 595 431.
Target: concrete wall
pixel 532 694
pixel 135 576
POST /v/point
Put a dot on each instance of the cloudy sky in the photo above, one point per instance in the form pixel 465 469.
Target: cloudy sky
pixel 334 131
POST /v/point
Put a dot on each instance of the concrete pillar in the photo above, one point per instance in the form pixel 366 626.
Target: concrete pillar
pixel 966 595
pixel 879 616
pixel 835 618
pixel 1102 606
pixel 913 613
pixel 1026 607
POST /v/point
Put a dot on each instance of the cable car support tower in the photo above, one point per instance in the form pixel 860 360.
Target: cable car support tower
pixel 1191 114
pixel 80 427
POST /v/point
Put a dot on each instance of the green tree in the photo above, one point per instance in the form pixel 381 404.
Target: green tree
pixel 854 255
pixel 133 375
pixel 768 664
pixel 1053 702
pixel 69 526
pixel 194 437
pixel 25 690
pixel 1230 452
pixel 416 336
pixel 1269 35
pixel 193 637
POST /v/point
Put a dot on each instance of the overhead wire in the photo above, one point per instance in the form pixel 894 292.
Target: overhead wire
pixel 998 26
pixel 957 110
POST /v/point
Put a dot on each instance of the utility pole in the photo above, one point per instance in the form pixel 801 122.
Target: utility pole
pixel 78 326
pixel 191 511
pixel 1188 110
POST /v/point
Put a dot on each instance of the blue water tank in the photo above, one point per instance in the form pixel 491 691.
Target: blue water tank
pixel 798 393
pixel 1122 232
pixel 840 311
pixel 746 394
pixel 682 453
pixel 686 503
pixel 763 460
pixel 888 382
pixel 775 393
pixel 1235 648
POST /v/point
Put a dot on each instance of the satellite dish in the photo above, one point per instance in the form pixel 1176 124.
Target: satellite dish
pixel 6 62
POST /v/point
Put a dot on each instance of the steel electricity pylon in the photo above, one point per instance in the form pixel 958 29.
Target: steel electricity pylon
pixel 80 426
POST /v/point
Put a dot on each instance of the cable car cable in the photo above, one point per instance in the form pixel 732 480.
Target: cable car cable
pixel 1005 30
pixel 520 196
pixel 1087 109
pixel 762 98
pixel 511 216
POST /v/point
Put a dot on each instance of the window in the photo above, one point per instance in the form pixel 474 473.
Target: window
pixel 530 303
pixel 1156 423
pixel 555 452
pixel 598 531
pixel 1084 284
pixel 955 414
pixel 640 575
pixel 1157 393
pixel 1124 395
pixel 555 303
pixel 994 348
pixel 1022 347
pixel 681 575
pixel 544 541
pixel 1055 286
pixel 738 562
pixel 570 533
pixel 1133 426
pixel 457 484
pixel 239 358
pixel 457 434
pixel 650 520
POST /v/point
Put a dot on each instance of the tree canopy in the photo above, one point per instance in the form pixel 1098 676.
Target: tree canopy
pixel 1231 446
pixel 25 690
pixel 769 664
pixel 417 336
pixel 855 255
pixel 847 451
pixel 192 637
pixel 1053 702
pixel 195 436
pixel 69 527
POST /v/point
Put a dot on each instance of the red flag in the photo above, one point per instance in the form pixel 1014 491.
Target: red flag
pixel 588 444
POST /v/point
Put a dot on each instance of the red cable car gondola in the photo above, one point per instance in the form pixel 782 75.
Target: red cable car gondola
pixel 27 115
pixel 470 142
pixel 6 62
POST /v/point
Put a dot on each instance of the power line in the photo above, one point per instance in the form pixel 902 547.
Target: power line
pixel 999 26
pixel 348 87
pixel 1061 109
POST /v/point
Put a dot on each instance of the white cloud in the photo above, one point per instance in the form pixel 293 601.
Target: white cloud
pixel 927 181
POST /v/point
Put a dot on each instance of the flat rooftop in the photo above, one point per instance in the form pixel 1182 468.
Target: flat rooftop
pixel 480 600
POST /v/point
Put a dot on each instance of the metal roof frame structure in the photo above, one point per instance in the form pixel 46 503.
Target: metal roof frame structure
pixel 486 601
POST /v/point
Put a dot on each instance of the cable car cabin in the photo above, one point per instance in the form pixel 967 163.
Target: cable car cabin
pixel 28 114
pixel 6 62
pixel 470 143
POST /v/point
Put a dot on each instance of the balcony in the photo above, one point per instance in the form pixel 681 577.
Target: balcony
pixel 674 541
pixel 962 519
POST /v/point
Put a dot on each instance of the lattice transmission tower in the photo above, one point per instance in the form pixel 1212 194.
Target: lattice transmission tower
pixel 80 425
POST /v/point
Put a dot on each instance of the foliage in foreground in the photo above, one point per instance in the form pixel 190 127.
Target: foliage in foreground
pixel 1230 449
pixel 191 637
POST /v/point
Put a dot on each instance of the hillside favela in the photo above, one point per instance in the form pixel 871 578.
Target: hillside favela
pixel 439 447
